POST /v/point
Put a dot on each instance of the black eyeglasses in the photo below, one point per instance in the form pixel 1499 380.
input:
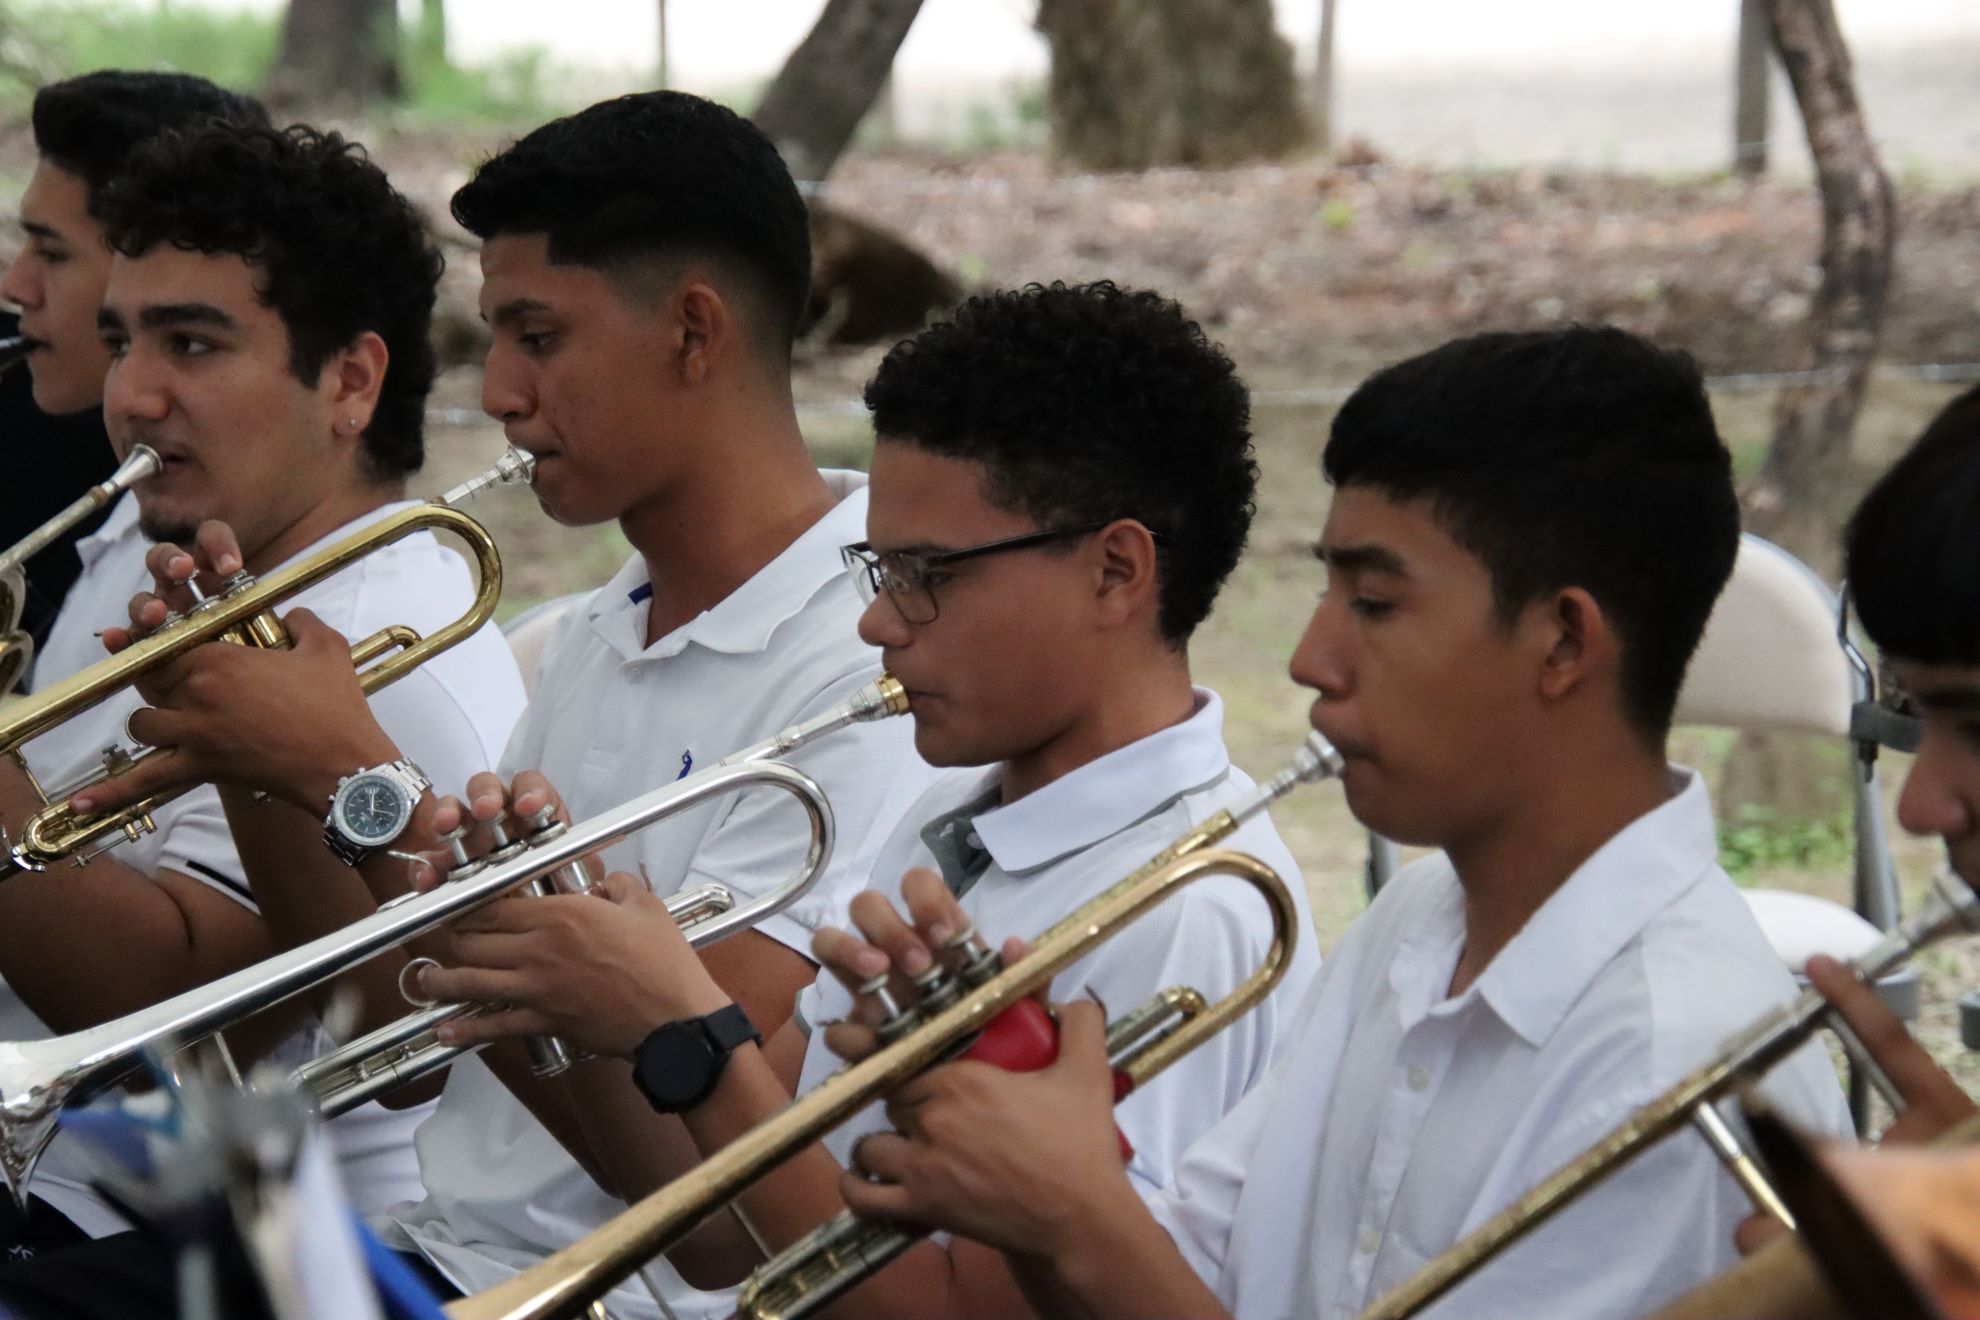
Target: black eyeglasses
pixel 1883 716
pixel 908 579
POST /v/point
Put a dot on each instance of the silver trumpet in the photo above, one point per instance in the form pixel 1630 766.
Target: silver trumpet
pixel 37 1078
pixel 16 647
pixel 399 1052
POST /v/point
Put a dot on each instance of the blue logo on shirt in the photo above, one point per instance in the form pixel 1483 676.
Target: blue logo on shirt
pixel 687 764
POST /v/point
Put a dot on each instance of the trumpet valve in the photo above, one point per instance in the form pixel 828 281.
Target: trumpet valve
pixel 936 990
pixel 977 961
pixel 899 1021
pixel 459 865
pixel 503 847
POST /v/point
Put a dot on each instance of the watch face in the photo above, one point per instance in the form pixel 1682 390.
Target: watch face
pixel 675 1062
pixel 372 809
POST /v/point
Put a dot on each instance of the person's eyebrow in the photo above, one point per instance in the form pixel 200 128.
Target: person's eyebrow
pixel 514 310
pixel 1361 559
pixel 109 318
pixel 164 316
pixel 36 229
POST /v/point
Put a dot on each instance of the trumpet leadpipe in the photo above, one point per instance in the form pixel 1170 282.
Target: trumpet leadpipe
pixel 141 462
pixel 1950 909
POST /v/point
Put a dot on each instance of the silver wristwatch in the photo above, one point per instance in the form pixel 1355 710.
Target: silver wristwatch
pixel 371 808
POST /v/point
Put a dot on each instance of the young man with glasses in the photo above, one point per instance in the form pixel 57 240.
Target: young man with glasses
pixel 1062 481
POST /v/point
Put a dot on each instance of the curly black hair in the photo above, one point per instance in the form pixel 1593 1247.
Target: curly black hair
pixel 1585 457
pixel 89 125
pixel 1084 403
pixel 1911 553
pixel 655 174
pixel 339 251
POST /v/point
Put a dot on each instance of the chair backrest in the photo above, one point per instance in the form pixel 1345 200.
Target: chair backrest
pixel 530 631
pixel 1770 658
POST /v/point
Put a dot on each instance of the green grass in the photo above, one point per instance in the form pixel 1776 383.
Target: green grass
pixel 54 39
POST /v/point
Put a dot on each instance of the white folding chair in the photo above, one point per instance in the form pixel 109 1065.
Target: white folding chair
pixel 1775 658
pixel 530 631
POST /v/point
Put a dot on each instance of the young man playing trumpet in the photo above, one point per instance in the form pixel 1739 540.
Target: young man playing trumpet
pixel 644 265
pixel 51 411
pixel 1526 537
pixel 286 394
pixel 1062 481
pixel 1914 575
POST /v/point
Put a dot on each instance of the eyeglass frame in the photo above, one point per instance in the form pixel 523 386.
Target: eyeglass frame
pixel 862 558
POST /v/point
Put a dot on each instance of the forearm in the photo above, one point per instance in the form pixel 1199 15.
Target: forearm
pixel 82 945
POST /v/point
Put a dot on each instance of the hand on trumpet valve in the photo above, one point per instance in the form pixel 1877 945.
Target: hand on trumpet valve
pixel 287 722
pixel 180 580
pixel 901 967
pixel 1015 1160
pixel 600 975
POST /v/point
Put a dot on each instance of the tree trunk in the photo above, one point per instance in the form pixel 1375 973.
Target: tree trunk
pixel 1323 80
pixel 1137 84
pixel 337 52
pixel 831 80
pixel 1750 89
pixel 1803 492
pixel 432 33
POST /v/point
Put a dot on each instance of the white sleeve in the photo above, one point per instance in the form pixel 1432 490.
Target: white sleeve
pixel 870 775
pixel 449 729
pixel 194 840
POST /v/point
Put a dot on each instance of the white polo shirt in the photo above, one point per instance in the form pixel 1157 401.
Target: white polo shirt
pixel 451 716
pixel 1020 868
pixel 612 718
pixel 1403 1118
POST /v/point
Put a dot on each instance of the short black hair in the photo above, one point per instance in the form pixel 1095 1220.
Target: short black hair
pixel 1087 403
pixel 655 175
pixel 1577 457
pixel 89 125
pixel 339 251
pixel 1912 549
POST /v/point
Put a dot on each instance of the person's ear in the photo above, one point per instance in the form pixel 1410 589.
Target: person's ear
pixel 706 327
pixel 1126 581
pixel 354 375
pixel 1575 639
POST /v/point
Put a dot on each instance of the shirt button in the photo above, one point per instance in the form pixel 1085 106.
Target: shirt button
pixel 1368 1241
pixel 973 841
pixel 1419 1078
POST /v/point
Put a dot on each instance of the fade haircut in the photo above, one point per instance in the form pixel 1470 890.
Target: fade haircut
pixel 1579 457
pixel 90 125
pixel 1086 403
pixel 1912 549
pixel 656 177
pixel 336 251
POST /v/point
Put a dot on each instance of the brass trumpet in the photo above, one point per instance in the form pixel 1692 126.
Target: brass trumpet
pixel 399 1052
pixel 1950 909
pixel 16 647
pixel 243 613
pixel 39 1077
pixel 566 1283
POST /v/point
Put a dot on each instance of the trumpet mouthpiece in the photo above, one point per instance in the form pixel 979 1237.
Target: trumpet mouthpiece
pixel 882 697
pixel 513 468
pixel 1316 760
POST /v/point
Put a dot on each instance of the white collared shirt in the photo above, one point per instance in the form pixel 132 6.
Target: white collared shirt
pixel 1023 866
pixel 611 718
pixel 1402 1117
pixel 451 716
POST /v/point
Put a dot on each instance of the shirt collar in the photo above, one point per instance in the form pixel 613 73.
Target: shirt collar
pixel 743 621
pixel 120 522
pixel 1605 904
pixel 1105 796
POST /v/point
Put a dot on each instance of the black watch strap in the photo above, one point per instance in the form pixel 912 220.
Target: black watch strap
pixel 679 1063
